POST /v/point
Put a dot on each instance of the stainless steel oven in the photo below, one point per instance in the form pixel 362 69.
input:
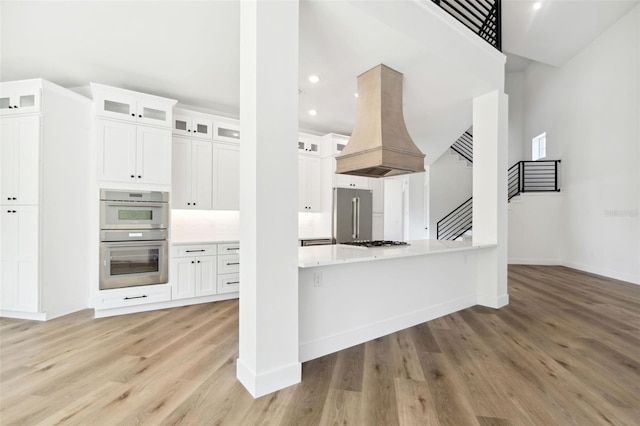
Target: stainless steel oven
pixel 134 209
pixel 134 249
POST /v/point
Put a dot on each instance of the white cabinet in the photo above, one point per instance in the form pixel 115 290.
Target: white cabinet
pixel 348 181
pixel 20 98
pixel 44 199
pixel 187 123
pixel 19 158
pixel 308 144
pixel 19 258
pixel 127 105
pixel 133 296
pixel 133 154
pixel 204 270
pixel 226 176
pixel 228 267
pixel 227 132
pixel 192 174
pixel 193 271
pixel 309 184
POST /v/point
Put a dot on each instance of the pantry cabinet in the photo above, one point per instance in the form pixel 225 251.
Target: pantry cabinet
pixel 19 254
pixel 133 154
pixel 44 196
pixel 192 174
pixel 19 158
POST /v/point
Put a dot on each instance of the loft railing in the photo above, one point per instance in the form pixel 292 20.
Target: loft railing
pixel 464 146
pixel 533 176
pixel 524 176
pixel 483 17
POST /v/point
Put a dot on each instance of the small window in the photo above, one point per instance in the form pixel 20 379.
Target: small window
pixel 539 147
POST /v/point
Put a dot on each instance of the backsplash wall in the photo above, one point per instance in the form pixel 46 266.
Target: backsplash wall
pixel 221 225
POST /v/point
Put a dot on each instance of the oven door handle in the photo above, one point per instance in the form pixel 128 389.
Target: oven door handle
pixel 136 204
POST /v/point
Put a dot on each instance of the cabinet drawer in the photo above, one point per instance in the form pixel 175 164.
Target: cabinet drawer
pixel 228 264
pixel 228 283
pixel 200 250
pixel 228 248
pixel 132 296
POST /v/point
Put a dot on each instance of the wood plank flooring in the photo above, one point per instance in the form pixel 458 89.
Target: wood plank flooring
pixel 566 351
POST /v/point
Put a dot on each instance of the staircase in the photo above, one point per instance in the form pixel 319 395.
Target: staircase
pixel 523 176
pixel 483 17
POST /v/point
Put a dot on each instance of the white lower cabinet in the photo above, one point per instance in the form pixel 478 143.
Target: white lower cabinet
pixel 204 269
pixel 133 296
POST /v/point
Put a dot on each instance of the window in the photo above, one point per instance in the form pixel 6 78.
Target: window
pixel 539 147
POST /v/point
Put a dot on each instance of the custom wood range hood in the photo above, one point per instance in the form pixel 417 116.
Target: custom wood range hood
pixel 380 145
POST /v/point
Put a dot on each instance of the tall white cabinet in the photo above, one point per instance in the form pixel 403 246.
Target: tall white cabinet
pixel 45 196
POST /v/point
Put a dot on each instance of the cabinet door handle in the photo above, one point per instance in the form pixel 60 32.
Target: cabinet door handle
pixel 232 248
pixel 14 198
pixel 135 297
pixel 198 261
pixel 232 263
pixel 133 115
pixel 10 107
pixel 194 251
pixel 193 261
pixel 233 282
pixel 132 176
pixel 140 115
pixel 139 176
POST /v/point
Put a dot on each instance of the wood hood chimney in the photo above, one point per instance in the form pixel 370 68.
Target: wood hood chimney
pixel 380 145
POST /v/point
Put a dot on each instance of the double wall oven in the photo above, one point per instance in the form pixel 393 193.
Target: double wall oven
pixel 134 248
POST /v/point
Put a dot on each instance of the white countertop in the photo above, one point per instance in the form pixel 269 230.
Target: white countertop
pixel 337 254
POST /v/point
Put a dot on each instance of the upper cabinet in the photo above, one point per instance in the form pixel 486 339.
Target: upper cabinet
pixel 20 98
pixel 308 144
pixel 193 125
pixel 141 108
pixel 227 132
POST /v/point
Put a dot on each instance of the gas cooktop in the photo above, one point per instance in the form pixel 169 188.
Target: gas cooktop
pixel 376 243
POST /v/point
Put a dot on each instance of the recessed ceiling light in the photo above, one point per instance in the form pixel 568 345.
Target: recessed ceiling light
pixel 313 112
pixel 314 78
pixel 355 95
pixel 537 5
pixel 236 134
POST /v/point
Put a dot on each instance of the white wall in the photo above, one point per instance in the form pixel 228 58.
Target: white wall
pixel 450 184
pixel 590 109
pixel 535 231
pixel 514 87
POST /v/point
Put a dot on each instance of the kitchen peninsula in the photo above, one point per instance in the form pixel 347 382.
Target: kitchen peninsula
pixel 349 295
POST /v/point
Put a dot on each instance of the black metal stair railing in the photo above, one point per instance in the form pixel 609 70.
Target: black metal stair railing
pixel 483 17
pixel 456 223
pixel 523 176
pixel 464 146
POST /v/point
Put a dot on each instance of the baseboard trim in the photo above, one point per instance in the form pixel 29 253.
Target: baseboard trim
pixel 534 261
pixel 603 272
pixel 316 348
pixel 34 316
pixel 492 301
pixel 270 381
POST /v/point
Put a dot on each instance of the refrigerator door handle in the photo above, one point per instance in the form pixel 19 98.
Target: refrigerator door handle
pixel 354 218
pixel 358 216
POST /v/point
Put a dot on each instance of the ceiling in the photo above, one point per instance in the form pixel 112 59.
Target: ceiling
pixel 188 50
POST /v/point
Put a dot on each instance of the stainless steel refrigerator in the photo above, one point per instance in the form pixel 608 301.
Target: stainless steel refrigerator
pixel 352 216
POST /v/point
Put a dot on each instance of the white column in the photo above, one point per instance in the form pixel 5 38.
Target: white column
pixel 490 130
pixel 268 358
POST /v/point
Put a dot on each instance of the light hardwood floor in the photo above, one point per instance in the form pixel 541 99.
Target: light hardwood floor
pixel 565 351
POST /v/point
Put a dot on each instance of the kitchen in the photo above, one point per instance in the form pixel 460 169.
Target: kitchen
pixel 271 214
